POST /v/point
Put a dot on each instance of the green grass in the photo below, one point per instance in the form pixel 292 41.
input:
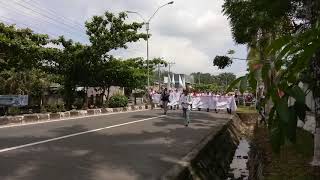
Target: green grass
pixel 246 109
pixel 293 162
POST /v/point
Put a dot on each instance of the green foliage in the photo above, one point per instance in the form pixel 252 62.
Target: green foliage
pixel 283 38
pixel 26 59
pixel 78 103
pixel 240 83
pixel 54 108
pixel 131 73
pixel 243 84
pixel 231 51
pixel 21 48
pixel 248 19
pixel 234 84
pixel 110 32
pixel 13 111
pixel 222 79
pixel 81 65
pixel 207 88
pixel 33 82
pixel 222 61
pixel 118 101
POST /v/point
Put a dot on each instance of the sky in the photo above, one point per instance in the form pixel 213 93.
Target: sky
pixel 189 33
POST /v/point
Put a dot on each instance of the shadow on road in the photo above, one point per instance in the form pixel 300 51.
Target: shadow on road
pixel 140 151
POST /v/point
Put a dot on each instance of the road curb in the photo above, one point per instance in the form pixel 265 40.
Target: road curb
pixel 47 117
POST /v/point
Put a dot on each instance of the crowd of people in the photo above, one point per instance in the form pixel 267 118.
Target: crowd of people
pixel 183 98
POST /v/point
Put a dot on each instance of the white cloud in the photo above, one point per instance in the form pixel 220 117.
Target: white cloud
pixel 189 32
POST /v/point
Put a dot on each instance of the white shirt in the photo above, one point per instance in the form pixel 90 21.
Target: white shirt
pixel 186 101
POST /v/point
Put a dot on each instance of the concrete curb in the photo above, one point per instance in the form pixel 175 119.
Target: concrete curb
pixel 185 164
pixel 32 118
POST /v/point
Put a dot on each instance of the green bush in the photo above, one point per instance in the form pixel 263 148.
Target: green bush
pixel 118 101
pixel 54 108
pixel 13 111
pixel 78 103
pixel 43 109
pixel 61 108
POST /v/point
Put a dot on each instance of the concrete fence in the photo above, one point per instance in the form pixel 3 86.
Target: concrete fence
pixel 31 118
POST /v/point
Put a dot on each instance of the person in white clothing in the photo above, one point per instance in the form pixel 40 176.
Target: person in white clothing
pixel 186 101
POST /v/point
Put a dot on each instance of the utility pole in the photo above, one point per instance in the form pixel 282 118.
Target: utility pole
pixel 147 23
pixel 147 28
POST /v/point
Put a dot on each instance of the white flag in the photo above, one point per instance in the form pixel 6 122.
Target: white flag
pixel 180 81
pixel 184 82
pixel 173 81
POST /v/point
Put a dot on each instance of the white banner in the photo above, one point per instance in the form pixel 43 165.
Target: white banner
pixel 156 98
pixel 174 99
pixel 166 79
pixel 14 100
pixel 203 102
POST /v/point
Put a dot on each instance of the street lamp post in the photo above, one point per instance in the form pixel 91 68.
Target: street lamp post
pixel 147 23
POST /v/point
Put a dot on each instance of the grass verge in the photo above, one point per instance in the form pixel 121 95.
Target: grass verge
pixel 246 109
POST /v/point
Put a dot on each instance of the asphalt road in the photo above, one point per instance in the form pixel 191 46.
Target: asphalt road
pixel 135 145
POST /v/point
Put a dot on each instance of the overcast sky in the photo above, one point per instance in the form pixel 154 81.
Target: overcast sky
pixel 189 32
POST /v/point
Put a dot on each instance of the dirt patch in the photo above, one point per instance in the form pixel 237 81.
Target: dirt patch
pixel 293 161
pixel 248 118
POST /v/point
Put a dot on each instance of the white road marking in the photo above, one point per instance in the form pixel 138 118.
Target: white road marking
pixel 75 134
pixel 67 119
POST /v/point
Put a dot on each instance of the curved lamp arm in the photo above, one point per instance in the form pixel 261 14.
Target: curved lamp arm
pixel 134 12
pixel 171 2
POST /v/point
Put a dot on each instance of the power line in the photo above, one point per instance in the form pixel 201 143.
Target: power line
pixel 24 13
pixel 250 60
pixel 71 32
pixel 41 14
pixel 40 19
pixel 49 11
pixel 12 21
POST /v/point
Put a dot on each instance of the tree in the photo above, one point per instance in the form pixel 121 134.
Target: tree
pixel 21 49
pixel 294 23
pixel 32 82
pixel 128 73
pixel 106 33
pixel 74 65
pixel 111 32
pixel 22 53
pixel 208 88
pixel 204 78
pixel 222 62
pixel 224 79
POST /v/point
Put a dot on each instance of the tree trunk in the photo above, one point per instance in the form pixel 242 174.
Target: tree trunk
pixel 107 96
pixel 266 80
pixel 316 156
pixel 85 105
pixel 316 96
pixel 68 95
pixel 108 93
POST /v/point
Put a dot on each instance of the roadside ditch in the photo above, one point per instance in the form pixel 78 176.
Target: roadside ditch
pixel 222 156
